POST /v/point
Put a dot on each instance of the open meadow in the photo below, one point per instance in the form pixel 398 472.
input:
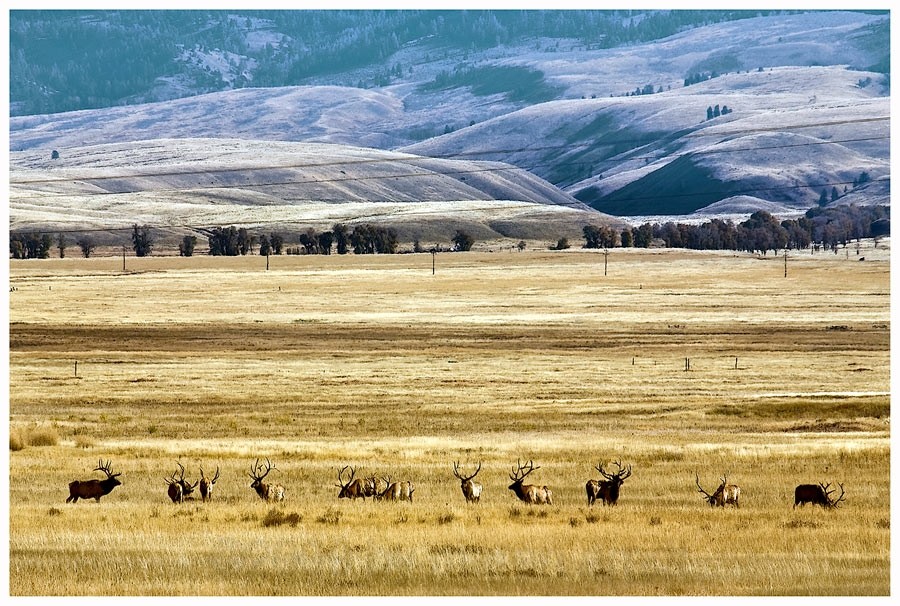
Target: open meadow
pixel 674 362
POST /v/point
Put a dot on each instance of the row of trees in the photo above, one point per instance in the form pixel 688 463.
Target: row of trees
pixel 762 232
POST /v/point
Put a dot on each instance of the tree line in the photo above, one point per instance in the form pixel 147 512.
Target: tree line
pixel 762 232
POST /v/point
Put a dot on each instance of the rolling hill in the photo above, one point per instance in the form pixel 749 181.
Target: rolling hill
pixel 724 118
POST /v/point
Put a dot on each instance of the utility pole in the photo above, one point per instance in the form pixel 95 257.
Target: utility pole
pixel 605 259
pixel 433 255
pixel 785 263
pixel 123 257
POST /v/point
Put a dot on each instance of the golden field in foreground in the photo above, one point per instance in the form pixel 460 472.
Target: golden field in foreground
pixel 675 362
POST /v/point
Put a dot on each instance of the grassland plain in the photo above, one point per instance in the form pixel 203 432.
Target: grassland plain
pixel 675 362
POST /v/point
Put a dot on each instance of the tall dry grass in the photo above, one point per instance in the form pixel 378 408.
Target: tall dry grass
pixel 373 362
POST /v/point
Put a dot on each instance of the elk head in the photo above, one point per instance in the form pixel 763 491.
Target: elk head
pixel 529 493
pixel 352 488
pixel 471 490
pixel 725 493
pixel 830 502
pixel 267 492
pixel 179 488
pixel 206 484
pixel 609 488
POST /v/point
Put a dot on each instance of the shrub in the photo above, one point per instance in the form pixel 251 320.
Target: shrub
pixel 331 516
pixel 84 442
pixel 45 436
pixel 276 518
pixel 16 442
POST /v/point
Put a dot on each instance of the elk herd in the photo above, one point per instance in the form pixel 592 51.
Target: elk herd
pixel 384 488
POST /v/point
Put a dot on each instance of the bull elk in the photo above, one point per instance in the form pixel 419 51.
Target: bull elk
pixel 607 490
pixel 470 489
pixel 726 493
pixel 94 489
pixel 529 493
pixel 817 494
pixel 179 488
pixel 206 485
pixel 397 491
pixel 352 488
pixel 267 492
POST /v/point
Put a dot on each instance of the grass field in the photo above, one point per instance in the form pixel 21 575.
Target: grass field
pixel 675 362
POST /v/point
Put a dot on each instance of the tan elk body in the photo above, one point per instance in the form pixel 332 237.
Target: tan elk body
pixel 267 492
pixel 725 494
pixel 529 493
pixel 471 489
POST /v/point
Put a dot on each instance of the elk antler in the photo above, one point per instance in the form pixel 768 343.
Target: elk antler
pixel 213 480
pixel 622 474
pixel 341 476
pixel 466 478
pixel 257 467
pixel 832 502
pixel 518 475
pixel 700 488
pixel 106 468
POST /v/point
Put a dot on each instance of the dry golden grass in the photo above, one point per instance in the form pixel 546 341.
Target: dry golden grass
pixel 322 362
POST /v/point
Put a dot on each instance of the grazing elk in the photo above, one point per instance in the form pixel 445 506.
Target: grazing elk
pixel 94 489
pixel 206 485
pixel 180 489
pixel 470 489
pixel 726 493
pixel 352 489
pixel 267 492
pixel 529 493
pixel 817 494
pixel 397 491
pixel 607 490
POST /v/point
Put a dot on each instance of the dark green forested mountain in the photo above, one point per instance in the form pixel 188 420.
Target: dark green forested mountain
pixel 68 60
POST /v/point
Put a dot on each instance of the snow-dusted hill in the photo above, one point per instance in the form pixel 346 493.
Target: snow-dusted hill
pixel 181 185
pixel 798 121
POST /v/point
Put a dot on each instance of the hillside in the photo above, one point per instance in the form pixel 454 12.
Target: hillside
pixel 630 127
pixel 181 186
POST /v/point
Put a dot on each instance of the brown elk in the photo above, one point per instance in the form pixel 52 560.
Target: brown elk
pixel 607 490
pixel 352 489
pixel 725 494
pixel 397 491
pixel 470 489
pixel 94 489
pixel 179 488
pixel 529 493
pixel 817 494
pixel 206 485
pixel 266 492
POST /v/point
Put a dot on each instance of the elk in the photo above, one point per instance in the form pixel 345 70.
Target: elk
pixel 529 493
pixel 206 485
pixel 817 494
pixel 397 491
pixel 726 493
pixel 94 489
pixel 607 490
pixel 266 492
pixel 471 490
pixel 179 488
pixel 352 489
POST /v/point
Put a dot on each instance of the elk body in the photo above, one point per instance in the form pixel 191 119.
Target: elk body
pixel 607 490
pixel 529 493
pixel 725 494
pixel 817 494
pixel 397 491
pixel 267 492
pixel 94 489
pixel 470 489
pixel 353 488
pixel 179 488
pixel 207 484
